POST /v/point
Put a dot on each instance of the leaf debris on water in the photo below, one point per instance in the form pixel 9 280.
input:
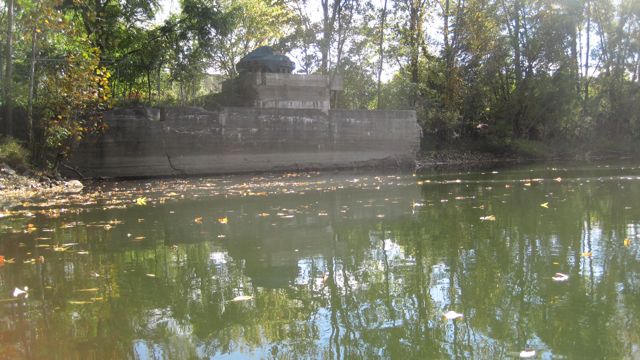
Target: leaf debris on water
pixel 242 298
pixel 488 218
pixel 560 277
pixel 19 292
pixel 451 315
pixel 525 354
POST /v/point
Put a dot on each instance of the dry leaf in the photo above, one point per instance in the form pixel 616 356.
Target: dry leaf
pixel 525 354
pixel 488 218
pixel 223 220
pixel 80 302
pixel 560 277
pixel 545 205
pixel 451 315
pixel 242 298
pixel 88 290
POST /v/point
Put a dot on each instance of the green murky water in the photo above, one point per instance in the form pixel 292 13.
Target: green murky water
pixel 329 265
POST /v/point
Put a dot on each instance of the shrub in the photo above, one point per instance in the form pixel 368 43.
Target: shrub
pixel 13 153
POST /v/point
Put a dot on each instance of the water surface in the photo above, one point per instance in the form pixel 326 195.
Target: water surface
pixel 354 265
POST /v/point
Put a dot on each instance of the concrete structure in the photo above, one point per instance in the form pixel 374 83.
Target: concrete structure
pixel 284 123
pixel 144 141
pixel 286 91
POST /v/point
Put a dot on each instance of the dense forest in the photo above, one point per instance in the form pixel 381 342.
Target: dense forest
pixel 529 75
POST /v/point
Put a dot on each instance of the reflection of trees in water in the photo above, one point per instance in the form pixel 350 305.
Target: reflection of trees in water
pixel 367 287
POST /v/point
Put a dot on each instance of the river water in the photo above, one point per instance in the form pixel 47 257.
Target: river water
pixel 333 265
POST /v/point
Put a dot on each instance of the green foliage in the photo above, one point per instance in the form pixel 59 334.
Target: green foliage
pixel 79 94
pixel 13 153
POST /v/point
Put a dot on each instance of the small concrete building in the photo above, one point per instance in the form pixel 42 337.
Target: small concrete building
pixel 265 81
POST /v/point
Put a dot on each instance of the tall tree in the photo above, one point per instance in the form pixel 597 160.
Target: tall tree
pixel 8 77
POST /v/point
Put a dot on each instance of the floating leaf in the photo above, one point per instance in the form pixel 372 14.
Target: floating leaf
pixel 242 298
pixel 558 179
pixel 488 218
pixel 223 220
pixel 525 354
pixel 151 275
pixel 141 201
pixel 1 260
pixel 80 302
pixel 60 248
pixel 198 220
pixel 545 205
pixel 451 315
pixel 560 277
pixel 586 254
pixel 627 242
pixel 88 290
pixel 19 292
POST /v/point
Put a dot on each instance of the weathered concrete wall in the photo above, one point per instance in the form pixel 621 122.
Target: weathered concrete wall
pixel 287 91
pixel 190 140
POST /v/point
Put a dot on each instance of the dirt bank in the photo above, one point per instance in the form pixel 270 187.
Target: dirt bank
pixel 16 187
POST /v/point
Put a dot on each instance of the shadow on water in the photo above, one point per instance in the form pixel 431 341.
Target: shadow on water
pixel 337 265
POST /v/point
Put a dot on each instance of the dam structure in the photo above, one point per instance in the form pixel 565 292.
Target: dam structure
pixel 272 120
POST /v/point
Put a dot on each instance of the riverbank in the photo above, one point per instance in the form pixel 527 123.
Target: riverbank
pixel 18 186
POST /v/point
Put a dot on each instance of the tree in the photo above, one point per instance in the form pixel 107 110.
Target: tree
pixel 8 77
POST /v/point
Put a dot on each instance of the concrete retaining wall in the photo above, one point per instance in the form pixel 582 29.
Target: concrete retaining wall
pixel 191 141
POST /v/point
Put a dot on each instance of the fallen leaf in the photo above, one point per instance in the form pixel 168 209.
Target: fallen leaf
pixel 560 277
pixel 198 220
pixel 58 248
pixel 488 218
pixel 1 260
pixel 88 290
pixel 545 205
pixel 451 315
pixel 223 220
pixel 242 298
pixel 151 275
pixel 586 254
pixel 141 201
pixel 525 354
pixel 80 302
pixel 558 179
pixel 627 242
pixel 18 292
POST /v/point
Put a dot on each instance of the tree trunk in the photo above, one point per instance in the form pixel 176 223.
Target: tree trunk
pixel 587 54
pixel 8 78
pixel 149 86
pixel 32 73
pixel 381 52
pixel 415 31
